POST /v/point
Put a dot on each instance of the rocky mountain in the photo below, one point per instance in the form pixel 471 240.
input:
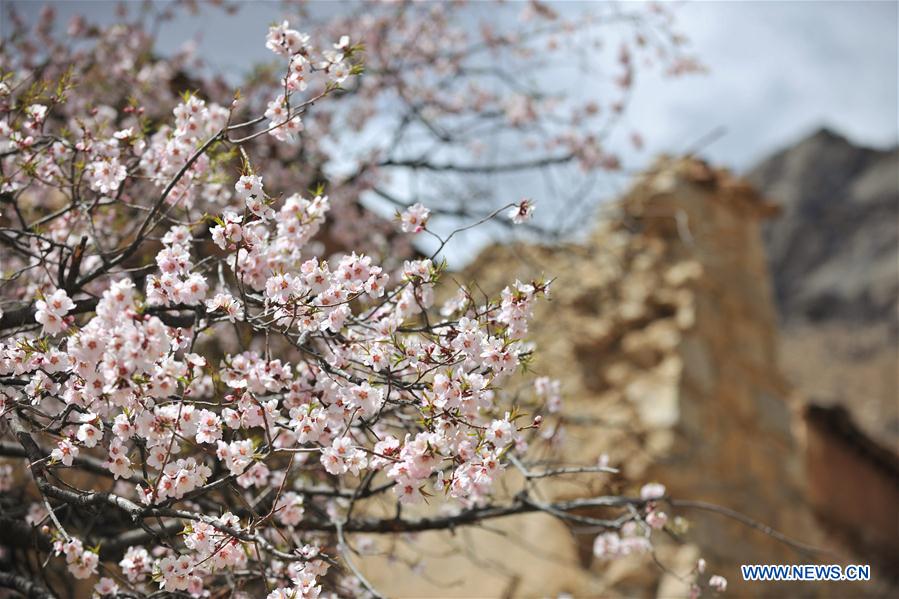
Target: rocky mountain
pixel 833 252
pixel 834 259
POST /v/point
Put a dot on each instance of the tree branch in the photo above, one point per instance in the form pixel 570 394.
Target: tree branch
pixel 478 168
pixel 29 588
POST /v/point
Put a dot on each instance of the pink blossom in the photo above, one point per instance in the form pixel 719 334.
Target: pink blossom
pixel 521 212
pixel 285 41
pixel 81 562
pixel 249 186
pixel 652 491
pixel 106 586
pixel 607 545
pixel 415 218
pixel 65 452
pixel 52 310
pixel 289 509
pixel 106 175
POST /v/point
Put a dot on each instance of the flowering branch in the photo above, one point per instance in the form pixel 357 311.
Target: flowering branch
pixel 214 378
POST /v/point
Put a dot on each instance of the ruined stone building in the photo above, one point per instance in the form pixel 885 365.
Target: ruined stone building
pixel 663 330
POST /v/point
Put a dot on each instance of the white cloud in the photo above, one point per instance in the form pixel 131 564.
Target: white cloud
pixel 778 70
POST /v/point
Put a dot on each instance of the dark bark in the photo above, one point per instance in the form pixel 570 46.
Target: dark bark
pixel 26 587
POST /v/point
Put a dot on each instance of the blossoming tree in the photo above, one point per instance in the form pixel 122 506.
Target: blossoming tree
pixel 211 371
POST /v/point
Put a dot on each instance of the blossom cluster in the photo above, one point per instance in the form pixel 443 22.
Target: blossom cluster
pixel 183 323
pixel 359 383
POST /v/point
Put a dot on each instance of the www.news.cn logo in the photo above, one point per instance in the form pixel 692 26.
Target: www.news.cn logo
pixel 803 572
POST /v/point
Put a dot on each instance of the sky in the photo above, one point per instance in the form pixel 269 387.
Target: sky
pixel 778 70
